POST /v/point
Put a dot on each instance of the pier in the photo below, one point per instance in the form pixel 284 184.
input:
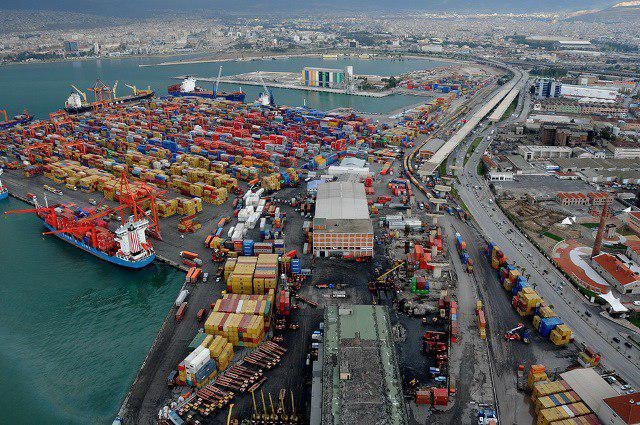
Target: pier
pixel 290 81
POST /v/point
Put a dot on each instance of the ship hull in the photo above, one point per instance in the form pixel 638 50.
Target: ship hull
pixel 4 194
pixel 126 99
pixel 103 256
pixel 234 97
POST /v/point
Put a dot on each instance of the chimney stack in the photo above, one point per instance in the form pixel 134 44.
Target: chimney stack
pixel 597 246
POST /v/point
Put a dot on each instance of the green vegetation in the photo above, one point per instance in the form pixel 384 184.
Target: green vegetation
pixel 553 236
pixel 391 82
pixel 589 225
pixel 442 169
pixel 510 109
pixel 550 71
pixel 471 149
pixel 481 169
pixel 635 321
pixel 456 196
pixel 625 231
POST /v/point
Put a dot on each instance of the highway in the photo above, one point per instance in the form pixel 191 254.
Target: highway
pixel 592 329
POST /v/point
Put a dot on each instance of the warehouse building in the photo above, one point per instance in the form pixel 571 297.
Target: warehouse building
pixel 360 378
pixel 341 225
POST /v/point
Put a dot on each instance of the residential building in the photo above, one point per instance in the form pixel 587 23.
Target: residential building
pixel 598 198
pixel 633 221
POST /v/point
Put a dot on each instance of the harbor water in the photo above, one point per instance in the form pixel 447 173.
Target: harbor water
pixel 44 87
pixel 74 329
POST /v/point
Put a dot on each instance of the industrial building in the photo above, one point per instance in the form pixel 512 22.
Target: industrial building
pixel 616 273
pixel 326 77
pixel 610 407
pixel 360 377
pixel 534 152
pixel 341 225
pixel 588 92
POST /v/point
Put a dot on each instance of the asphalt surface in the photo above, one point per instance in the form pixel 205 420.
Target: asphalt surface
pixel 594 331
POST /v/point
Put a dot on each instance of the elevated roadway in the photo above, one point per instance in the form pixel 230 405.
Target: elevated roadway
pixel 434 162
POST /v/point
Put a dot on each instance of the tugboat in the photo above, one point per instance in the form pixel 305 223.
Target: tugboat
pixel 188 87
pixel 23 118
pixel 77 101
pixel 4 192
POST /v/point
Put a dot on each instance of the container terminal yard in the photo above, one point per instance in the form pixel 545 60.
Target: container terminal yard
pixel 311 240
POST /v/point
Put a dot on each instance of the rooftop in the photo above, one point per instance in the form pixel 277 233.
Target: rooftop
pixel 626 406
pixel 616 268
pixel 590 386
pixel 357 391
pixel 342 200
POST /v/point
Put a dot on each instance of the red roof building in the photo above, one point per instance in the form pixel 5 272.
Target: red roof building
pixel 625 409
pixel 633 221
pixel 572 198
pixel 616 273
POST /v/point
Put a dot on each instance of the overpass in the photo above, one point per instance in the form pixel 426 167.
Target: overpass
pixel 445 150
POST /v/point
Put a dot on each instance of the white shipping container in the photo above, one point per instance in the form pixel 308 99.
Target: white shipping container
pixel 230 232
pixel 181 297
pixel 263 222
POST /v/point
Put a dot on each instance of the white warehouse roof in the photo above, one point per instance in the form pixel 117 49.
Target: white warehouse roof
pixel 341 200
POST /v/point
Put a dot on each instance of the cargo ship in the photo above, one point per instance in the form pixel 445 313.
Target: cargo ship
pixel 4 192
pixel 127 246
pixel 188 87
pixel 23 118
pixel 104 95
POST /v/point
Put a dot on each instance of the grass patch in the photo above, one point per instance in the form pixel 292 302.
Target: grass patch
pixel 510 109
pixel 454 194
pixel 635 321
pixel 481 168
pixel 471 149
pixel 589 225
pixel 625 231
pixel 553 236
pixel 616 247
pixel 442 168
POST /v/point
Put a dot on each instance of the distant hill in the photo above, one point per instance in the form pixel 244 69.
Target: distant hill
pixel 213 7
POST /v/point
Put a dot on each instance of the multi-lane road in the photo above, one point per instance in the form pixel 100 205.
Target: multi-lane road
pixel 592 329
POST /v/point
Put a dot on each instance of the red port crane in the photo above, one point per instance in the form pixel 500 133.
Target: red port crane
pixel 60 119
pixel 44 148
pixel 78 144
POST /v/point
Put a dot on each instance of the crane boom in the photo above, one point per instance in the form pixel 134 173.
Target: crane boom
pixel 383 275
pixel 134 89
pixel 80 92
